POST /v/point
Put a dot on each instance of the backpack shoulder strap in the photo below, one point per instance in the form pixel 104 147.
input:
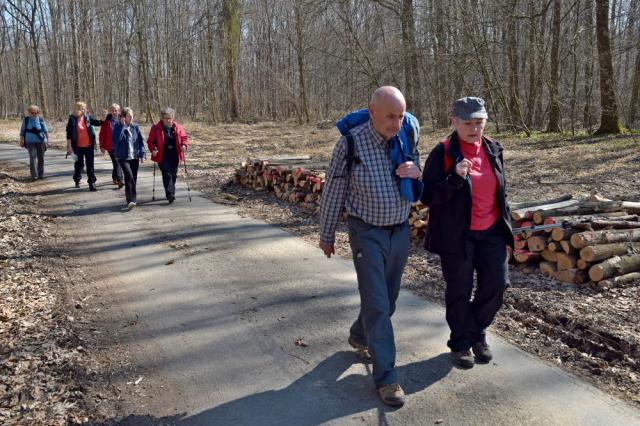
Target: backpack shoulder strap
pixel 351 156
pixel 447 160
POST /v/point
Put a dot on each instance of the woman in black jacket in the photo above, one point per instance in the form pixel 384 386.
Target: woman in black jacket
pixel 469 227
pixel 81 141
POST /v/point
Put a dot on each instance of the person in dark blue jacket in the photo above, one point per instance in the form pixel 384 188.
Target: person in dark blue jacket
pixel 34 136
pixel 128 149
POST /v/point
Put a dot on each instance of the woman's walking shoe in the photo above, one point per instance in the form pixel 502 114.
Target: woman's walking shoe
pixel 131 205
pixel 482 352
pixel 77 184
pixel 92 187
pixel 463 359
pixel 391 394
pixel 120 184
pixel 361 350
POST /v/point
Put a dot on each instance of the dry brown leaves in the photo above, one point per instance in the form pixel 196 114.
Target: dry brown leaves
pixel 40 354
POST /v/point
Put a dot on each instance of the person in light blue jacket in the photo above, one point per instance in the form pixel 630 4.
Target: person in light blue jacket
pixel 34 136
pixel 128 149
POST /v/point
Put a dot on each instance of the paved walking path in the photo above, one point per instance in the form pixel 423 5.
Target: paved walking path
pixel 220 301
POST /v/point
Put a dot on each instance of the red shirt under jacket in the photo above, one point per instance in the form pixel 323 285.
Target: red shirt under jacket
pixel 484 208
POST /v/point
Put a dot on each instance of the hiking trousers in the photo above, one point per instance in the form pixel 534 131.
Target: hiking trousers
pixel 36 159
pixel 379 255
pixel 470 312
pixel 84 154
pixel 130 171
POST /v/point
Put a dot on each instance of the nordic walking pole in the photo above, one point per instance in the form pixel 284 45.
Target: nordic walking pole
pixel 186 174
pixel 153 197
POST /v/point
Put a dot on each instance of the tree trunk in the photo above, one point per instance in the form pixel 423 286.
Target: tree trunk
pixel 515 113
pixel 75 73
pixel 231 22
pixel 554 78
pixel 410 59
pixel 606 236
pixel 619 281
pixel 300 53
pixel 634 101
pixel 566 261
pixel 588 67
pixel 609 121
pixel 595 253
pixel 617 265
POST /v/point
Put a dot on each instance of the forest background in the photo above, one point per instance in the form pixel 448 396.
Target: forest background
pixel 550 65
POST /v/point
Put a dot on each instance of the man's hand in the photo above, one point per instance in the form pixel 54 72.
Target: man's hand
pixel 408 170
pixel 463 167
pixel 328 249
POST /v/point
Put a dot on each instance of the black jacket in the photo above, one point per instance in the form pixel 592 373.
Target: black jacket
pixel 449 197
pixel 72 130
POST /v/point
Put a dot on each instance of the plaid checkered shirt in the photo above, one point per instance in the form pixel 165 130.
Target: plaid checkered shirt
pixel 372 193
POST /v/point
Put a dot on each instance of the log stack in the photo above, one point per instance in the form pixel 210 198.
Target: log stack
pixel 297 179
pixel 599 246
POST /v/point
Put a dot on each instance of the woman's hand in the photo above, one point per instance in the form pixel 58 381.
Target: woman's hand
pixel 463 167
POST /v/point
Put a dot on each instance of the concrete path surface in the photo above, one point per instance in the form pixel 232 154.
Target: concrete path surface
pixel 219 301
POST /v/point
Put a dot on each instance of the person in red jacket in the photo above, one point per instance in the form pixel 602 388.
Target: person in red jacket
pixel 104 137
pixel 168 142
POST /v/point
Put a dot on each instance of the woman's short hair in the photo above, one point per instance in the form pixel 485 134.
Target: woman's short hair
pixel 116 106
pixel 126 111
pixel 168 112
pixel 81 106
pixel 33 108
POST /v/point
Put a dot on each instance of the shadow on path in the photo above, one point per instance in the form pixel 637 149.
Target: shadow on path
pixel 324 394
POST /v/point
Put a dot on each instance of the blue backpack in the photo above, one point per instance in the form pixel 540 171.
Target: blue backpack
pixel 409 136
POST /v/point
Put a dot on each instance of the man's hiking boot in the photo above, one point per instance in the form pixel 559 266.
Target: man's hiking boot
pixel 391 394
pixel 482 352
pixel 463 359
pixel 361 350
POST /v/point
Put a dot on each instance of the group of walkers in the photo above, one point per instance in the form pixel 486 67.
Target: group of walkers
pixel 374 175
pixel 120 137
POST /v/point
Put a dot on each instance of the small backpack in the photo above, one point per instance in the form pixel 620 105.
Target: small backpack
pixel 39 134
pixel 410 130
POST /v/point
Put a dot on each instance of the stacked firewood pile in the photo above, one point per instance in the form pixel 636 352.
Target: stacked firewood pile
pixel 594 241
pixel 297 179
pixel 293 179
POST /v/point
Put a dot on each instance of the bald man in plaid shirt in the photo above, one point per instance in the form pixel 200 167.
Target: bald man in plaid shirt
pixel 378 231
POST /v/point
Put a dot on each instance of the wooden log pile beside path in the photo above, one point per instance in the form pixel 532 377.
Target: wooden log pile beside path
pixel 598 243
